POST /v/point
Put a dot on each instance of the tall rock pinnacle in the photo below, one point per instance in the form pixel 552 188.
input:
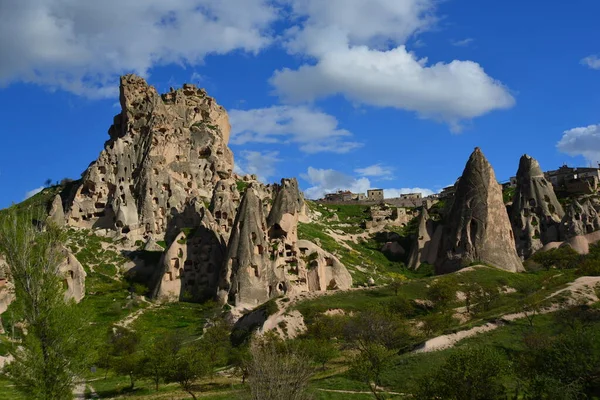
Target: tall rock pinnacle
pixel 163 150
pixel 477 228
pixel 536 212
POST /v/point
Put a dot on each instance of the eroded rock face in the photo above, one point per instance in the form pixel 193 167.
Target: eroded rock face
pixel 477 228
pixel 74 276
pixel 224 205
pixel 427 243
pixel 323 270
pixel 247 277
pixel 536 212
pixel 579 219
pixel 283 217
pixel 57 213
pixel 162 151
pixel 191 265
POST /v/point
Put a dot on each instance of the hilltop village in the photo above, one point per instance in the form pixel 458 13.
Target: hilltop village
pixel 192 278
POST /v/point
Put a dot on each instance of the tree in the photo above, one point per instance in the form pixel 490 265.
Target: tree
pixel 320 351
pixel 277 371
pixel 187 367
pixel 123 348
pixel 442 291
pixel 52 353
pixel 486 295
pixel 48 182
pixel 472 374
pixel 369 364
pixel 215 345
pixel 159 356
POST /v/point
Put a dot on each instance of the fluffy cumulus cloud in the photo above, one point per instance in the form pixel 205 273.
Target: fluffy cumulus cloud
pixel 349 41
pixel 312 130
pixel 261 164
pixel 583 141
pixel 377 171
pixel 592 62
pixel 322 181
pixel 81 46
pixel 33 192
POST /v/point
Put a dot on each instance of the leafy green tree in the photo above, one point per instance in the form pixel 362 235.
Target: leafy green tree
pixel 370 363
pixel 437 322
pixel 187 367
pixel 125 359
pixel 486 295
pixel 52 353
pixel 472 374
pixel 215 345
pixel 159 356
pixel 442 291
pixel 320 351
pixel 560 258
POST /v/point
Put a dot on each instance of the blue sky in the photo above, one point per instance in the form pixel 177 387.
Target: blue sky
pixel 351 94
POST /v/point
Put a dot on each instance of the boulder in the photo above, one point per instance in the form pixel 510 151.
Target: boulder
pixel 535 212
pixel 477 228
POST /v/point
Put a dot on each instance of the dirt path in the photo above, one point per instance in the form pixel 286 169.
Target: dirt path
pixel 128 320
pixel 582 289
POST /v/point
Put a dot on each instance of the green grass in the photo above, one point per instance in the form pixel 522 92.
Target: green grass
pixel 7 391
pixel 186 318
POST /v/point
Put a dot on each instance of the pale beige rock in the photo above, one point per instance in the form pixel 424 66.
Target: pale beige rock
pixel 426 245
pixel 74 276
pixel 535 211
pixel 323 270
pixel 56 213
pixel 477 228
pixel 191 265
pixel 579 219
pixel 162 151
pixel 224 205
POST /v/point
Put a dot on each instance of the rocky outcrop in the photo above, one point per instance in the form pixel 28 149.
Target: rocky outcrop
pixel 224 204
pixel 535 212
pixel 427 242
pixel 282 222
pixel 321 270
pixel 57 213
pixel 73 275
pixel 191 265
pixel 579 219
pixel 163 150
pixel 477 228
pixel 247 277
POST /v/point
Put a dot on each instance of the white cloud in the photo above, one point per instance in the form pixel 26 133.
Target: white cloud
pixel 257 163
pixel 462 43
pixel 359 53
pixel 592 61
pixel 313 130
pixel 377 171
pixel 33 192
pixel 82 46
pixel 583 141
pixel 324 181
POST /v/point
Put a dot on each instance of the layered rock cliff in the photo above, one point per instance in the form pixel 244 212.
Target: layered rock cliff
pixel 535 212
pixel 477 228
pixel 162 151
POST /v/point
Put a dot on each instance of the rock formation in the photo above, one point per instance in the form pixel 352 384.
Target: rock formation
pixel 536 212
pixel 265 259
pixel 162 151
pixel 427 242
pixel 477 228
pixel 74 276
pixel 191 265
pixel 224 204
pixel 57 213
pixel 579 219
pixel 247 276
